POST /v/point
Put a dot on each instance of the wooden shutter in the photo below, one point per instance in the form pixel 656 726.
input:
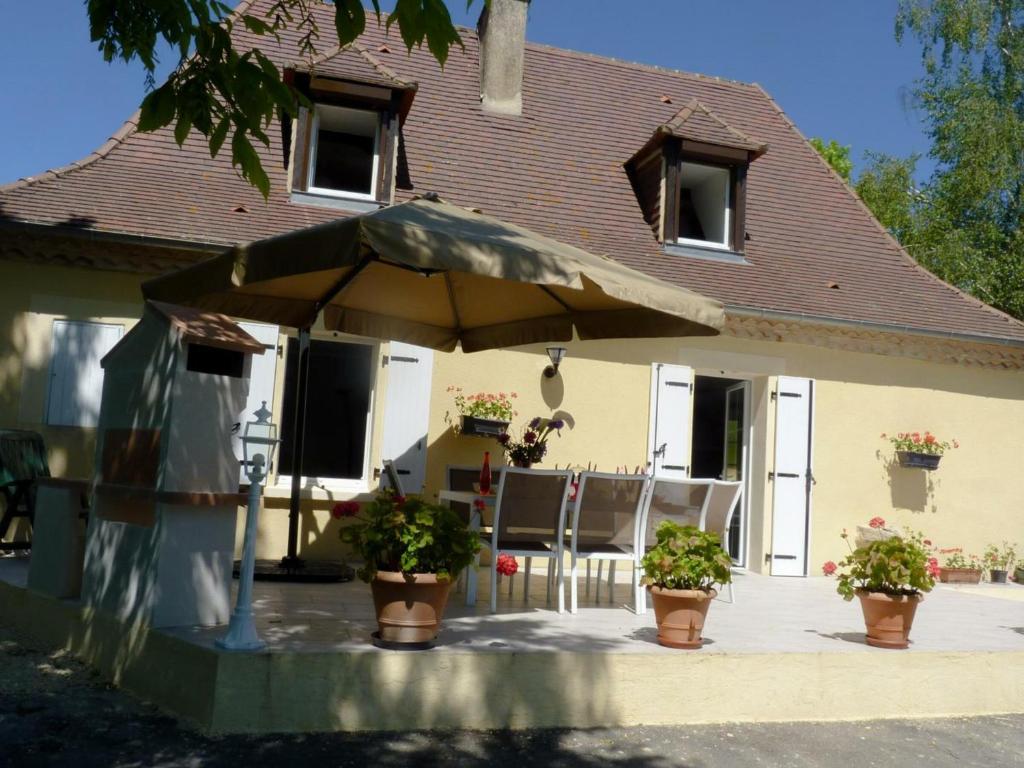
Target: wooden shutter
pixel 407 412
pixel 76 376
pixel 303 137
pixel 791 477
pixel 669 432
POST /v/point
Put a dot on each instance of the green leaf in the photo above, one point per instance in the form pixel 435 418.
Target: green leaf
pixel 158 108
pixel 255 25
pixel 182 128
pixel 219 134
pixel 248 162
pixel 349 20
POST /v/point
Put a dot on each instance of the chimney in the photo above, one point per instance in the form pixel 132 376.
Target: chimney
pixel 502 32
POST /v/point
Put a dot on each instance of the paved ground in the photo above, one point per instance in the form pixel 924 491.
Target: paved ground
pixel 56 712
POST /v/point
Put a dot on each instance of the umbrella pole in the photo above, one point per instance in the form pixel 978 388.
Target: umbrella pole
pixel 291 560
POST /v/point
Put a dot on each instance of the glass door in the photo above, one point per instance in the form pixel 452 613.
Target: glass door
pixel 734 465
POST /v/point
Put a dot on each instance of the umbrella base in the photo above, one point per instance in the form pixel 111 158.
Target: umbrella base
pixel 312 571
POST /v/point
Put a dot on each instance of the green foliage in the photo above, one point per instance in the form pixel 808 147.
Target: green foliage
pixel 837 155
pixel 484 405
pixel 900 565
pixel 886 185
pixel 217 90
pixel 686 557
pixel 969 224
pixel 408 534
pixel 955 558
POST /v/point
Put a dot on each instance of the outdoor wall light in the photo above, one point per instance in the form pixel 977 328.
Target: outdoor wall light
pixel 259 441
pixel 556 355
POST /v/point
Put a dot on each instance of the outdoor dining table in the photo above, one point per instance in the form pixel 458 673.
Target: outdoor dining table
pixel 22 460
pixel 476 523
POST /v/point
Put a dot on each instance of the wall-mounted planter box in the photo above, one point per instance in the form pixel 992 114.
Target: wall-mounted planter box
pixel 918 460
pixel 960 575
pixel 473 425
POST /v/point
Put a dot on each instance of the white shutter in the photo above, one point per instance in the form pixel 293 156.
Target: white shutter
pixel 76 376
pixel 261 383
pixel 792 478
pixel 669 433
pixel 407 412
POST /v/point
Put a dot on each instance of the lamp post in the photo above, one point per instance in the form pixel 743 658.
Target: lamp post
pixel 259 441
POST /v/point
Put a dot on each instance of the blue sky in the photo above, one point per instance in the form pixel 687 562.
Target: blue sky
pixel 834 66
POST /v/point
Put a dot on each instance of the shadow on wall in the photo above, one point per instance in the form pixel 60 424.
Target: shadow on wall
pixel 909 488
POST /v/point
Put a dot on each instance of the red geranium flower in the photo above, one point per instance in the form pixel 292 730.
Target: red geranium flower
pixel 933 566
pixel 479 504
pixel 829 568
pixel 506 565
pixel 345 509
pixel 876 522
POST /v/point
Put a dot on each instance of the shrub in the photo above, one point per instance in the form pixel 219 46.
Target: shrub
pixel 686 557
pixel 896 565
pixel 410 535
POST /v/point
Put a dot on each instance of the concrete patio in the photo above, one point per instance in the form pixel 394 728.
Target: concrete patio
pixel 788 649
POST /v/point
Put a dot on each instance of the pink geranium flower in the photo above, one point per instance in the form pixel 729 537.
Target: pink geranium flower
pixel 506 565
pixel 876 522
pixel 829 568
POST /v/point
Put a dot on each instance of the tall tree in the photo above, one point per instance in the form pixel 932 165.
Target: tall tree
pixel 220 91
pixel 971 227
pixel 837 155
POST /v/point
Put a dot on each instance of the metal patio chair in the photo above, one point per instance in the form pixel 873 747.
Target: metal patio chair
pixel 718 511
pixel 682 501
pixel 529 521
pixel 605 526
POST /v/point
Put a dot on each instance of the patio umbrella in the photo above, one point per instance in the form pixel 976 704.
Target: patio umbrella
pixel 433 274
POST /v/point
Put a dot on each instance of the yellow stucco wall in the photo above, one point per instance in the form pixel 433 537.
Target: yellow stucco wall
pixel 976 497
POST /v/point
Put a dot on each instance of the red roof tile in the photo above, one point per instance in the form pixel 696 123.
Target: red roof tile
pixel 557 169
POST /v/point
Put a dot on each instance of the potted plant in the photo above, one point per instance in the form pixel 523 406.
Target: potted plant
pixel 532 446
pixel 959 568
pixel 999 561
pixel 1018 575
pixel 680 572
pixel 922 451
pixel 412 552
pixel 889 574
pixel 483 414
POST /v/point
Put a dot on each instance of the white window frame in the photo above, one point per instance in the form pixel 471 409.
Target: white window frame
pixel 724 245
pixel 52 374
pixel 361 484
pixel 311 171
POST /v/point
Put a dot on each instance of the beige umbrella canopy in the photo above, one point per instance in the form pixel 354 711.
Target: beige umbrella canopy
pixel 433 274
pixel 430 273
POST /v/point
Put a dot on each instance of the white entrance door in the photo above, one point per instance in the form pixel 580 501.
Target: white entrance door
pixel 262 376
pixel 792 477
pixel 669 432
pixel 407 413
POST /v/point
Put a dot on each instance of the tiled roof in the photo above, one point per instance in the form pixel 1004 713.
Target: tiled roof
pixel 698 123
pixel 352 62
pixel 813 248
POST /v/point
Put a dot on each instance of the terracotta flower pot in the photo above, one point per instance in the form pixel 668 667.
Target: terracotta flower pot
pixel 680 614
pixel 960 575
pixel 409 606
pixel 888 619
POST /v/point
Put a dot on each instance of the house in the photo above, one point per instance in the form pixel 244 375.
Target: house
pixel 834 335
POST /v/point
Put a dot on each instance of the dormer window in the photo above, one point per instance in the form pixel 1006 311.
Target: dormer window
pixel 690 181
pixel 705 199
pixel 344 152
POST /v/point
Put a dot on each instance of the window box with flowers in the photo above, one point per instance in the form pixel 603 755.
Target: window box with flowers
pixel 483 414
pixel 888 572
pixel 959 568
pixel 918 450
